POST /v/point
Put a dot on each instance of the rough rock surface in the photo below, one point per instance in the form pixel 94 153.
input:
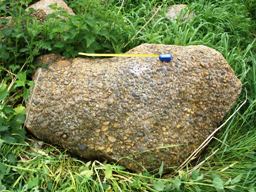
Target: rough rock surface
pixel 43 8
pixel 139 112
pixel 175 11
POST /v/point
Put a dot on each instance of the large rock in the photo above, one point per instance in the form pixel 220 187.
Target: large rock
pixel 139 112
pixel 44 7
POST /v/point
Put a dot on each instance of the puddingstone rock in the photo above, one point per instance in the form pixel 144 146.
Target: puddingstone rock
pixel 136 111
pixel 43 8
pixel 176 11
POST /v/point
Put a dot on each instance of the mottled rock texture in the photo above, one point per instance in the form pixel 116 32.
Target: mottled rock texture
pixel 139 112
pixel 43 8
pixel 180 11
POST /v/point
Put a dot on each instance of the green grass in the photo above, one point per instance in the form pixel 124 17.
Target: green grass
pixel 227 164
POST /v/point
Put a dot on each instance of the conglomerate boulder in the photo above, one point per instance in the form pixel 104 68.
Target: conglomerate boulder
pixel 41 9
pixel 45 7
pixel 136 111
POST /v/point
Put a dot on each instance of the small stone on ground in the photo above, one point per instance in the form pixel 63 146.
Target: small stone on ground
pixel 176 11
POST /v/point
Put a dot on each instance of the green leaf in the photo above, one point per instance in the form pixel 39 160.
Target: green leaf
pixel 45 45
pixel 86 173
pixel 8 110
pixel 177 183
pixel 50 186
pixel 20 109
pixel 228 182
pixel 218 183
pixel 3 128
pixel 11 158
pixel 59 45
pixel 251 189
pixel 237 179
pixel 108 171
pixel 18 120
pixel 89 40
pixel 161 169
pixel 2 187
pixel 9 139
pixel 197 176
pixel 33 30
pixel 33 182
pixel 159 185
pixel 26 93
pixel 197 189
pixel 75 21
pixel 3 91
pixel 24 50
pixel 21 79
pixel 3 169
pixel 1 142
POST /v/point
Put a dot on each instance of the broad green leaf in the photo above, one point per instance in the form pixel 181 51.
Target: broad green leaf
pixel 45 45
pixel 7 109
pixel 9 139
pixel 3 169
pixel 197 189
pixel 34 30
pixel 4 128
pixel 197 176
pixel 24 50
pixel 50 185
pixel 237 179
pixel 2 187
pixel 59 45
pixel 20 109
pixel 177 183
pixel 251 189
pixel 33 182
pixel 11 158
pixel 75 21
pixel 218 183
pixel 108 171
pixel 26 93
pixel 159 185
pixel 18 120
pixel 21 79
pixel 89 40
pixel 86 173
pixel 228 182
